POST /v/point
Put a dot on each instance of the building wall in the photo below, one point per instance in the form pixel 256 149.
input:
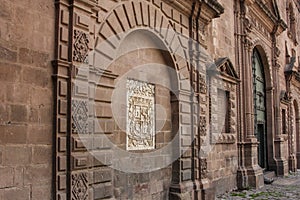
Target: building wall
pixel 29 41
pixel 26 101
pixel 223 158
pixel 141 58
pixel 221 33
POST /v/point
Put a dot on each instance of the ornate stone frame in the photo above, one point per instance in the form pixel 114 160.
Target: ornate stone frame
pixel 222 75
pixel 80 26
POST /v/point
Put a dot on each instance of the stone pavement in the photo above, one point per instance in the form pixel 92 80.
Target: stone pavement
pixel 285 188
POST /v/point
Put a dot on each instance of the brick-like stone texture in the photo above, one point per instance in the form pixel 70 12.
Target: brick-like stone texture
pixel 26 99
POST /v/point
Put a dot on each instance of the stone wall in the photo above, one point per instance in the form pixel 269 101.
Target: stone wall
pixel 222 161
pixel 26 102
pixel 142 58
pixel 31 143
pixel 289 85
pixel 221 33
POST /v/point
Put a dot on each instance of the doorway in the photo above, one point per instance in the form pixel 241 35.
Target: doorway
pixel 259 94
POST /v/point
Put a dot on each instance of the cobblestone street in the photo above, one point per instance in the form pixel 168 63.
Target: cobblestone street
pixel 286 188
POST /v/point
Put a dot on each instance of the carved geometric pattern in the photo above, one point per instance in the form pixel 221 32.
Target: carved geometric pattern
pixel 203 165
pixel 81 46
pixel 202 125
pixel 203 87
pixel 140 115
pixel 79 117
pixel 80 186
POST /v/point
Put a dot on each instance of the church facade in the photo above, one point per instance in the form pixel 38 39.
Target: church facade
pixel 147 99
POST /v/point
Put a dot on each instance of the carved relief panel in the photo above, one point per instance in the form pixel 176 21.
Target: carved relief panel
pixel 140 116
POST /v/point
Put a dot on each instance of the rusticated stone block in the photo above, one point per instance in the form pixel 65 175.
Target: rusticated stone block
pixel 10 72
pixel 41 135
pixel 36 76
pixel 17 93
pixel 41 192
pixel 33 58
pixel 19 176
pixel 13 134
pixel 15 155
pixel 7 177
pixel 36 175
pixel 17 193
pixel 41 154
pixel 102 175
pixel 7 54
pixel 62 184
pixel 103 190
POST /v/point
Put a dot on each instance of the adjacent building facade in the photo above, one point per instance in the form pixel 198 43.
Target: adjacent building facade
pixel 147 99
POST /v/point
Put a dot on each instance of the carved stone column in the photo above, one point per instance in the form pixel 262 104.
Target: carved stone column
pixel 280 164
pixel 249 172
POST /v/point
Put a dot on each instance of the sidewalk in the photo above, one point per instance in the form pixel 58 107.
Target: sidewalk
pixel 286 188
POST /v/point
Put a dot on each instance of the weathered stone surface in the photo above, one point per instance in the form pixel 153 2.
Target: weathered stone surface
pixel 7 177
pixel 16 156
pixel 38 174
pixel 13 134
pixel 28 45
pixel 26 49
pixel 22 193
pixel 7 54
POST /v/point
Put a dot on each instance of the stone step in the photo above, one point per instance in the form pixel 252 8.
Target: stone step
pixel 269 174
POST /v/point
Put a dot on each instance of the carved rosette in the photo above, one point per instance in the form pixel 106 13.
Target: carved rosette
pixel 79 117
pixel 79 186
pixel 140 115
pixel 81 46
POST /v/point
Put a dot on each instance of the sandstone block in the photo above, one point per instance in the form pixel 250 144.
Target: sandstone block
pixel 16 155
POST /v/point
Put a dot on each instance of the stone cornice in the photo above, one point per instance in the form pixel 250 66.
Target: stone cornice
pixel 215 6
pixel 273 19
pixel 186 6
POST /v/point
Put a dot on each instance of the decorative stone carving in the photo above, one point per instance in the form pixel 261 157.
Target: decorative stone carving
pixel 79 117
pixel 203 87
pixel 248 25
pixel 202 126
pixel 140 115
pixel 203 165
pixel 79 186
pixel 81 46
pixel 226 138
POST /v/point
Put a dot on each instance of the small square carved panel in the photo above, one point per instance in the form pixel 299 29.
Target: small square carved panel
pixel 79 117
pixel 140 127
pixel 79 186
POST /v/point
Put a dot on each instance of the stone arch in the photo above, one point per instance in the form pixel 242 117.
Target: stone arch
pixel 268 98
pixel 297 131
pixel 132 16
pixel 128 16
pixel 266 61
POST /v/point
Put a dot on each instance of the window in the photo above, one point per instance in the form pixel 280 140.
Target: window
pixel 223 111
